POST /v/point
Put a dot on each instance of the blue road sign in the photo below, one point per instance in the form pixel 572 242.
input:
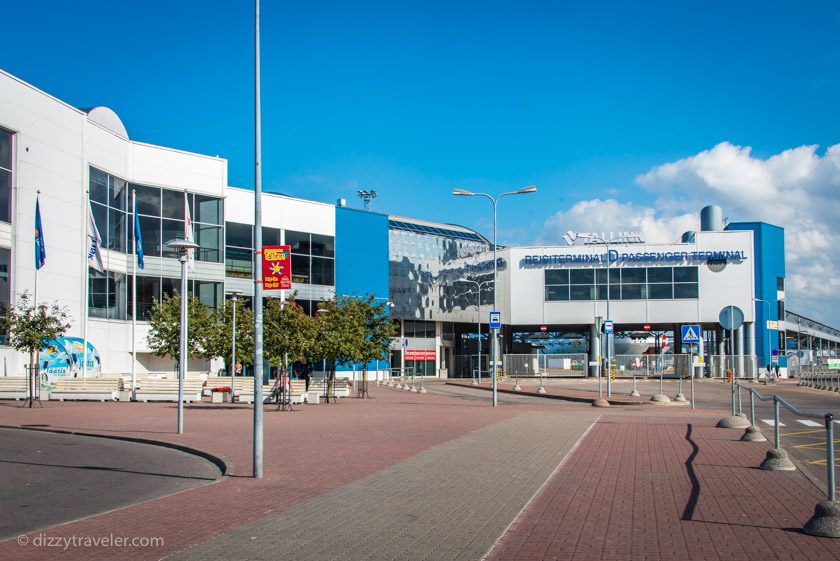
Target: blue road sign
pixel 495 320
pixel 731 317
pixel 690 333
pixel 608 327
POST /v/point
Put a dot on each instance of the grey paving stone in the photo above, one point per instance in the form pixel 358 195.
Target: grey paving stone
pixel 452 502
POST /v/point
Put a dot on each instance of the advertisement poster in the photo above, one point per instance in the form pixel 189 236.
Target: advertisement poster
pixel 277 267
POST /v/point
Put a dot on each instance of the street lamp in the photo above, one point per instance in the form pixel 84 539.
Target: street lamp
pixel 597 240
pixel 767 329
pixel 478 320
pixel 233 298
pixel 183 246
pixel 495 201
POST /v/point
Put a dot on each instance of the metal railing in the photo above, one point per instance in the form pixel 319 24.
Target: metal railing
pixel 777 458
pixel 548 365
pixel 826 380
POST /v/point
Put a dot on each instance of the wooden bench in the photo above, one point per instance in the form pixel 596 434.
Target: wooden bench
pixel 339 387
pixel 246 394
pixel 167 390
pixel 89 389
pixel 14 387
pixel 242 382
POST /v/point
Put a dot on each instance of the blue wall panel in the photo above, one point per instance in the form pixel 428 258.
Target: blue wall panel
pixel 361 253
pixel 769 265
pixel 361 257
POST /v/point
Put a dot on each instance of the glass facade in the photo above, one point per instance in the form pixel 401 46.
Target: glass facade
pixel 313 255
pixel 161 213
pixel 640 283
pixel 110 293
pixel 425 266
pixel 6 175
pixel 313 258
pixel 5 287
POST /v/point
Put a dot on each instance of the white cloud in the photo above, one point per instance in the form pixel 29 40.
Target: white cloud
pixel 796 189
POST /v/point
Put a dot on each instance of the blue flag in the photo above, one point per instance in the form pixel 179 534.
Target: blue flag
pixel 40 248
pixel 138 238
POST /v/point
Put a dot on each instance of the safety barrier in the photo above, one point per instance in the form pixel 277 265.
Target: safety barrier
pixel 826 519
pixel 826 380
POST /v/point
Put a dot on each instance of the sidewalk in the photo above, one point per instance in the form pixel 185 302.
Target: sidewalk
pixel 656 489
pixel 409 476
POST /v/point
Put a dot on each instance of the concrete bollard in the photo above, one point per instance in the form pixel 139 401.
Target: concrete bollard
pixel 753 434
pixel 661 398
pixel 826 520
pixel 733 422
pixel 600 402
pixel 777 460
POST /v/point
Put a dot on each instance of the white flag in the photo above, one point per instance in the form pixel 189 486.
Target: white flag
pixel 188 233
pixel 94 243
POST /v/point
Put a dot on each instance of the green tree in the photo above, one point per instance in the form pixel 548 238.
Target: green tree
pixel 165 328
pixel 379 330
pixel 219 340
pixel 288 332
pixel 31 326
pixel 352 330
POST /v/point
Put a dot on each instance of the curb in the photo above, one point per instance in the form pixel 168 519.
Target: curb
pixel 612 400
pixel 216 460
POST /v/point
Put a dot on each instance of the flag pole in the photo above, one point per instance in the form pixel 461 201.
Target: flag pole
pixel 134 294
pixel 35 358
pixel 86 280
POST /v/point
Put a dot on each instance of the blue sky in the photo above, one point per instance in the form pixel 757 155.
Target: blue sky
pixel 415 98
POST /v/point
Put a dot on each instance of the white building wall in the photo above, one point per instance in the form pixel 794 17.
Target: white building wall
pixel 285 213
pixel 54 145
pixel 733 285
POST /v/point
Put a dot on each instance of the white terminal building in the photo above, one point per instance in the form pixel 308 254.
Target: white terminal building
pixel 552 299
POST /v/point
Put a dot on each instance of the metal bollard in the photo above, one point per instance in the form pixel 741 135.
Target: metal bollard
pixel 635 392
pixel 752 433
pixel 739 399
pixel 777 459
pixel 829 455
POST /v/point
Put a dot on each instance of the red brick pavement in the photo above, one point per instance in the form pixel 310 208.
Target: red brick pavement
pixel 654 488
pixel 307 452
pixel 529 387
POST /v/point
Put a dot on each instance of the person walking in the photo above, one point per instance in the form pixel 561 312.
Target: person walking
pixel 303 371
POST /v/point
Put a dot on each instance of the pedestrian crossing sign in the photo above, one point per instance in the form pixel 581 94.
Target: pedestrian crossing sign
pixel 690 333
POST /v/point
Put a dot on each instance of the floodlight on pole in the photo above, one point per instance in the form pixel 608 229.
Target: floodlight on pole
pixel 183 247
pixel 495 201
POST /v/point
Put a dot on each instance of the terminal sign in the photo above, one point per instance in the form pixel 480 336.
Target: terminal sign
pixel 608 327
pixel 277 267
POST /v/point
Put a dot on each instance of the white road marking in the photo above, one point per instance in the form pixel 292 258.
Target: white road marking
pixel 808 423
pixel 772 423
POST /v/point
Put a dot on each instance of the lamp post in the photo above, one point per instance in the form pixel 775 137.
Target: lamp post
pixel 767 329
pixel 596 240
pixel 478 319
pixel 233 298
pixel 495 201
pixel 183 246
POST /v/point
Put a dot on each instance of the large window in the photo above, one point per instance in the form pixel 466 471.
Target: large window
pixel 5 175
pixel 312 258
pixel 161 214
pixel 419 329
pixel 638 283
pixel 239 248
pixel 110 293
pixel 5 288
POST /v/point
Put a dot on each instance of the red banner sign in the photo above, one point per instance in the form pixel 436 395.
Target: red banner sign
pixel 420 354
pixel 277 267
